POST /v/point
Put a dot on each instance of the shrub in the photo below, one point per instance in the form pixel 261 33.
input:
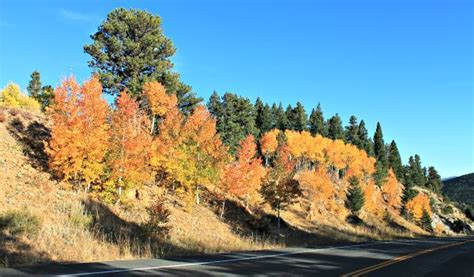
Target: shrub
pixel 426 221
pixel 157 227
pixel 14 112
pixel 3 117
pixel 447 210
pixel 20 223
pixel 79 218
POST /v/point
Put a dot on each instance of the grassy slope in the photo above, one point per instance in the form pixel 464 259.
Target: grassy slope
pixel 75 228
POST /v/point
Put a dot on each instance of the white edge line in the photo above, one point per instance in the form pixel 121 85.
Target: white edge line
pixel 256 257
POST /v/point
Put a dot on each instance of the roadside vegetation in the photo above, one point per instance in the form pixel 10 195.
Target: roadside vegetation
pixel 159 173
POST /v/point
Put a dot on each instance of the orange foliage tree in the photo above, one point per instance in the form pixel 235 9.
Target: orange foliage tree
pixel 129 147
pixel 79 135
pixel 244 176
pixel 415 206
pixel 372 198
pixel 279 188
pixel 392 191
pixel 317 186
pixel 158 101
pixel 269 144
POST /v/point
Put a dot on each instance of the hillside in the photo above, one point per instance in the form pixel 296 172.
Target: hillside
pixel 460 189
pixel 44 219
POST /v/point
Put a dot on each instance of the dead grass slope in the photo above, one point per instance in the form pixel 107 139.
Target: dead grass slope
pixel 75 228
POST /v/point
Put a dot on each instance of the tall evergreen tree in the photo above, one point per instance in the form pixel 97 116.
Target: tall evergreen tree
pixel 395 161
pixel 364 142
pixel 281 120
pixel 355 197
pixel 215 106
pixel 46 97
pixel 34 86
pixel 291 117
pixel 317 125
pixel 352 131
pixel 425 221
pixel 433 180
pixel 300 119
pixel 129 49
pixel 235 117
pixel 263 117
pixel 379 145
pixel 335 128
pixel 381 168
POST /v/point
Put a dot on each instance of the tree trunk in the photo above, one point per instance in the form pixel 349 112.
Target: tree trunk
pixel 197 197
pixel 223 209
pixel 278 221
pixel 153 121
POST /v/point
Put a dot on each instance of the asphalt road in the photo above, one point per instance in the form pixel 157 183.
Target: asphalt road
pixel 416 257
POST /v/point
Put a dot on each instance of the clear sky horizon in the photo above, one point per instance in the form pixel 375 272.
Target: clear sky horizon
pixel 406 63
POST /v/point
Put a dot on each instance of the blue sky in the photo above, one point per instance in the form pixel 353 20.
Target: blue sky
pixel 406 63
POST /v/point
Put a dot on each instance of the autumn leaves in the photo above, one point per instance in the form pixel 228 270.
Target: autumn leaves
pixel 108 150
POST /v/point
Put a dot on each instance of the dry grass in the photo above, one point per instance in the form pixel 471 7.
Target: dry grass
pixel 72 231
pixel 75 228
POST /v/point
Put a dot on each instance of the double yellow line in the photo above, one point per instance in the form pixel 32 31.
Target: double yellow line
pixel 401 258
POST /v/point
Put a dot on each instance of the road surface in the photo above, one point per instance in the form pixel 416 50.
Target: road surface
pixel 410 257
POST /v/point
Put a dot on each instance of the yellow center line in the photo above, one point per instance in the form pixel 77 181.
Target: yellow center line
pixel 401 258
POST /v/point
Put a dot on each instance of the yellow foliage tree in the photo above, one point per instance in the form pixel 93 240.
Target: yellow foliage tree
pixel 317 186
pixel 12 97
pixel 190 151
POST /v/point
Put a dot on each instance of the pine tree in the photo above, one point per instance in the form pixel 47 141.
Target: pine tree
pixel 235 117
pixel 434 180
pixel 281 118
pixel 355 197
pixel 291 117
pixel 300 119
pixel 381 169
pixel 335 128
pixel 34 86
pixel 130 49
pixel 215 106
pixel 426 221
pixel 395 161
pixel 352 131
pixel 46 97
pixel 317 123
pixel 414 172
pixel 364 142
pixel 263 119
pixel 379 145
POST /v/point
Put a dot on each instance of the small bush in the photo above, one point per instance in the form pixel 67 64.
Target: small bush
pixel 14 112
pixel 20 223
pixel 157 227
pixel 2 116
pixel 447 210
pixel 79 218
